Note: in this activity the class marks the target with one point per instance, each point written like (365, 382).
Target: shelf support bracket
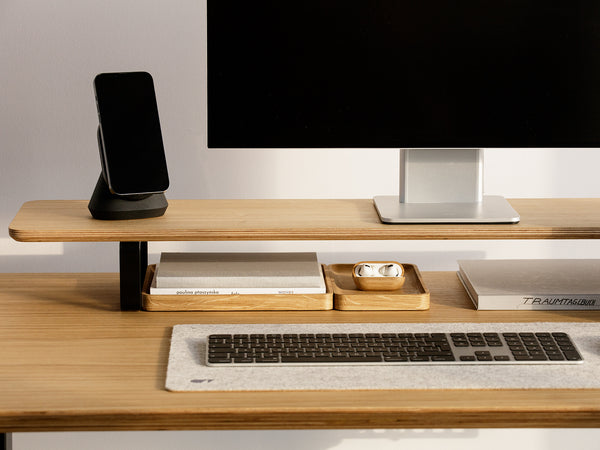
(133, 263)
(5, 441)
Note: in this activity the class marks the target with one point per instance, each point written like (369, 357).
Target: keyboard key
(572, 356)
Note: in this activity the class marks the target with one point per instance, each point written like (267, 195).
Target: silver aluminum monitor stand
(443, 186)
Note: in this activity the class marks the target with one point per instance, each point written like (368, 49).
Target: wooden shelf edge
(316, 219)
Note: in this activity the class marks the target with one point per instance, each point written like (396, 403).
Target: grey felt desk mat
(187, 371)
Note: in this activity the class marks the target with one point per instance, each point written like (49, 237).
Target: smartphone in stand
(132, 146)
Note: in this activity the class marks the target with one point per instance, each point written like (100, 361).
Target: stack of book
(238, 273)
(532, 283)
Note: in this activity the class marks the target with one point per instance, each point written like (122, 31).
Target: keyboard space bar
(329, 359)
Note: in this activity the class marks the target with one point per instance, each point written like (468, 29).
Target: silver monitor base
(492, 209)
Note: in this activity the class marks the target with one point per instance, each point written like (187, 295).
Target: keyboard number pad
(518, 347)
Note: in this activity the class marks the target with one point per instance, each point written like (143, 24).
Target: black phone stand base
(105, 205)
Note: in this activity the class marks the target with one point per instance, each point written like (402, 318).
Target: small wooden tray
(247, 302)
(414, 295)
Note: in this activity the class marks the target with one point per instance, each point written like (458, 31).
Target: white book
(234, 291)
(531, 284)
(240, 273)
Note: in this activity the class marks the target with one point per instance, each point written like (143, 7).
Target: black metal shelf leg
(133, 263)
(5, 441)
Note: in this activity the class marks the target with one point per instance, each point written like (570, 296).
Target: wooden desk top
(223, 220)
(71, 360)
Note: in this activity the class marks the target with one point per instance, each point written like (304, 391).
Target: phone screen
(132, 152)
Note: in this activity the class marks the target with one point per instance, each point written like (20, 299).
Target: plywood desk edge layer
(296, 219)
(113, 378)
(444, 409)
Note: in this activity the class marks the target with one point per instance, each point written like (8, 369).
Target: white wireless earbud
(389, 270)
(365, 270)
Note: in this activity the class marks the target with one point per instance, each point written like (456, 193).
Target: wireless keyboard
(391, 348)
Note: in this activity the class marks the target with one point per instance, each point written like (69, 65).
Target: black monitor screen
(403, 73)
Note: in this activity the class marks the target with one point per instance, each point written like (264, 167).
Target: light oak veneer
(257, 220)
(71, 360)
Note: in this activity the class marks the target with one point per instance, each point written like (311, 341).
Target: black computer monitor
(440, 80)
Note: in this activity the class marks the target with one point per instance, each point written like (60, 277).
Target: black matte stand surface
(107, 206)
(133, 264)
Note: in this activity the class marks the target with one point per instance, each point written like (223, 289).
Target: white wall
(49, 54)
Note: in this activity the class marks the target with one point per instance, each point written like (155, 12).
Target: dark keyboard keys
(391, 348)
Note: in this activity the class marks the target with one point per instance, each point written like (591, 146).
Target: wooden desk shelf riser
(260, 220)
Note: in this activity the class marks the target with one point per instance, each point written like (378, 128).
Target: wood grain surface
(71, 360)
(256, 220)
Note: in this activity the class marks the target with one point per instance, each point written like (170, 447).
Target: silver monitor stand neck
(443, 186)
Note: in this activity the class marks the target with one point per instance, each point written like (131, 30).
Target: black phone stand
(105, 205)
